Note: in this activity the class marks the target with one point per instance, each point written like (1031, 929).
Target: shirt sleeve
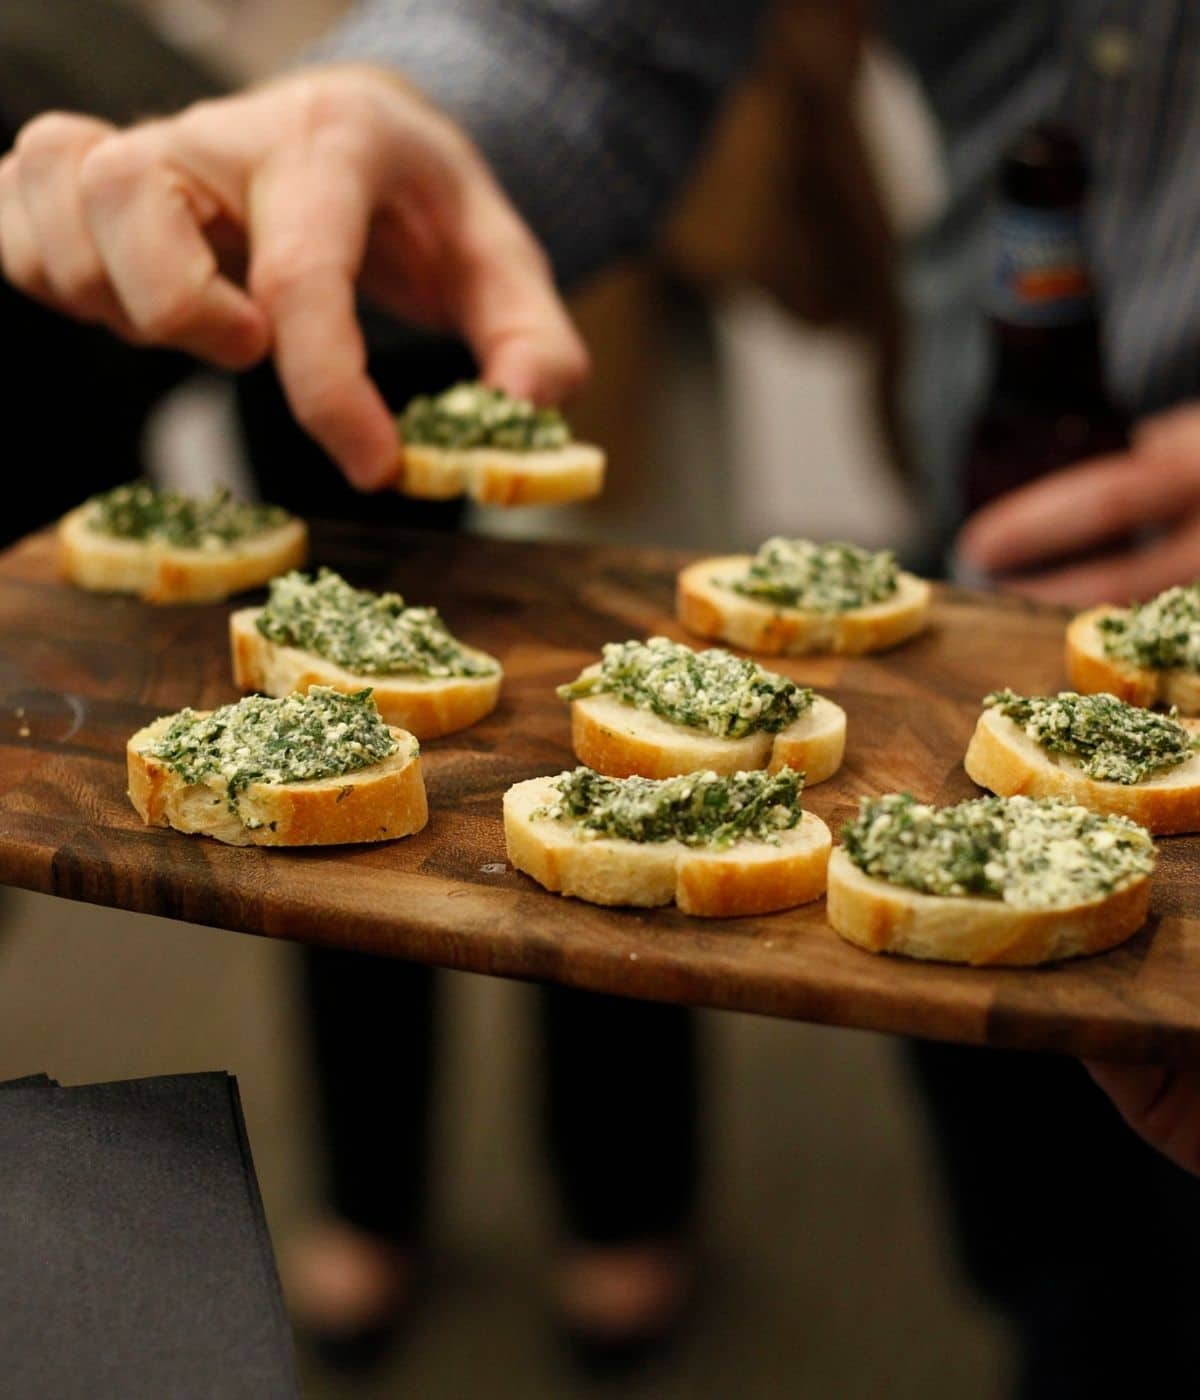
(589, 111)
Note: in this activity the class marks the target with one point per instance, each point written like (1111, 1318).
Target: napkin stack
(134, 1254)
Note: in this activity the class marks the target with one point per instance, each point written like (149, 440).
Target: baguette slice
(1003, 758)
(499, 477)
(426, 706)
(886, 918)
(620, 740)
(749, 877)
(707, 608)
(163, 573)
(377, 803)
(1092, 670)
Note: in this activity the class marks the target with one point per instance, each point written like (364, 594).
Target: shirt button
(1111, 51)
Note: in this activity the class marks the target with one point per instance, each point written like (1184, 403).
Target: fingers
(309, 218)
(1072, 510)
(1118, 578)
(147, 220)
(1160, 1103)
(19, 257)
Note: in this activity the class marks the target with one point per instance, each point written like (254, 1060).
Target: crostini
(320, 769)
(993, 880)
(167, 547)
(1096, 750)
(501, 451)
(323, 631)
(658, 708)
(717, 846)
(1148, 654)
(795, 597)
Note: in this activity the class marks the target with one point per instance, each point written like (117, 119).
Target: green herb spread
(829, 578)
(139, 511)
(1163, 634)
(712, 690)
(472, 415)
(371, 633)
(1031, 853)
(698, 809)
(323, 734)
(1113, 742)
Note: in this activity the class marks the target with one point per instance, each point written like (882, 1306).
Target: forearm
(589, 111)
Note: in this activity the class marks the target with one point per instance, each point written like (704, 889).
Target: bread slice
(886, 918)
(1092, 670)
(377, 803)
(1003, 758)
(427, 706)
(749, 877)
(708, 608)
(501, 477)
(163, 573)
(620, 740)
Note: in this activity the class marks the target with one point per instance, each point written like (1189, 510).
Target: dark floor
(825, 1271)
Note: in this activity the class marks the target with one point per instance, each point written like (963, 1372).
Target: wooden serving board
(79, 673)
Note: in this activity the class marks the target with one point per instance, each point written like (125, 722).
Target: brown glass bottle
(1047, 405)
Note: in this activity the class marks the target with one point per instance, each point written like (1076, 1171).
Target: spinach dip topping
(1163, 634)
(1113, 742)
(713, 690)
(139, 511)
(698, 809)
(472, 415)
(323, 734)
(829, 578)
(371, 633)
(1031, 853)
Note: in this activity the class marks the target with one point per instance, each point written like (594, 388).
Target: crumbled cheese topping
(829, 578)
(1112, 741)
(299, 738)
(371, 633)
(713, 690)
(1163, 634)
(698, 809)
(1031, 853)
(472, 415)
(139, 511)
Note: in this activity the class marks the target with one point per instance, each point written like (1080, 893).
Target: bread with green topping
(169, 548)
(1092, 666)
(503, 451)
(795, 597)
(710, 876)
(1007, 758)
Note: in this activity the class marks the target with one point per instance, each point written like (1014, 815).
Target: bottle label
(1039, 271)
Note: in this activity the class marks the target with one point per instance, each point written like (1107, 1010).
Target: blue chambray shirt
(591, 112)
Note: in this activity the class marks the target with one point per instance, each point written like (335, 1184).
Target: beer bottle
(1047, 406)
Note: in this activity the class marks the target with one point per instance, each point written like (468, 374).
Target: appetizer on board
(659, 708)
(795, 597)
(992, 880)
(501, 451)
(1096, 750)
(322, 631)
(168, 547)
(1147, 654)
(320, 769)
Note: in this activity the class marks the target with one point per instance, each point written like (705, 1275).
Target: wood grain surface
(79, 673)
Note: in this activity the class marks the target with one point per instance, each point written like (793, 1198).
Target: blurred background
(757, 344)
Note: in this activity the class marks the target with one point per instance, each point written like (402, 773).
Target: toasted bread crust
(378, 803)
(751, 877)
(426, 707)
(1092, 670)
(496, 477)
(886, 918)
(621, 740)
(1004, 759)
(707, 609)
(160, 573)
